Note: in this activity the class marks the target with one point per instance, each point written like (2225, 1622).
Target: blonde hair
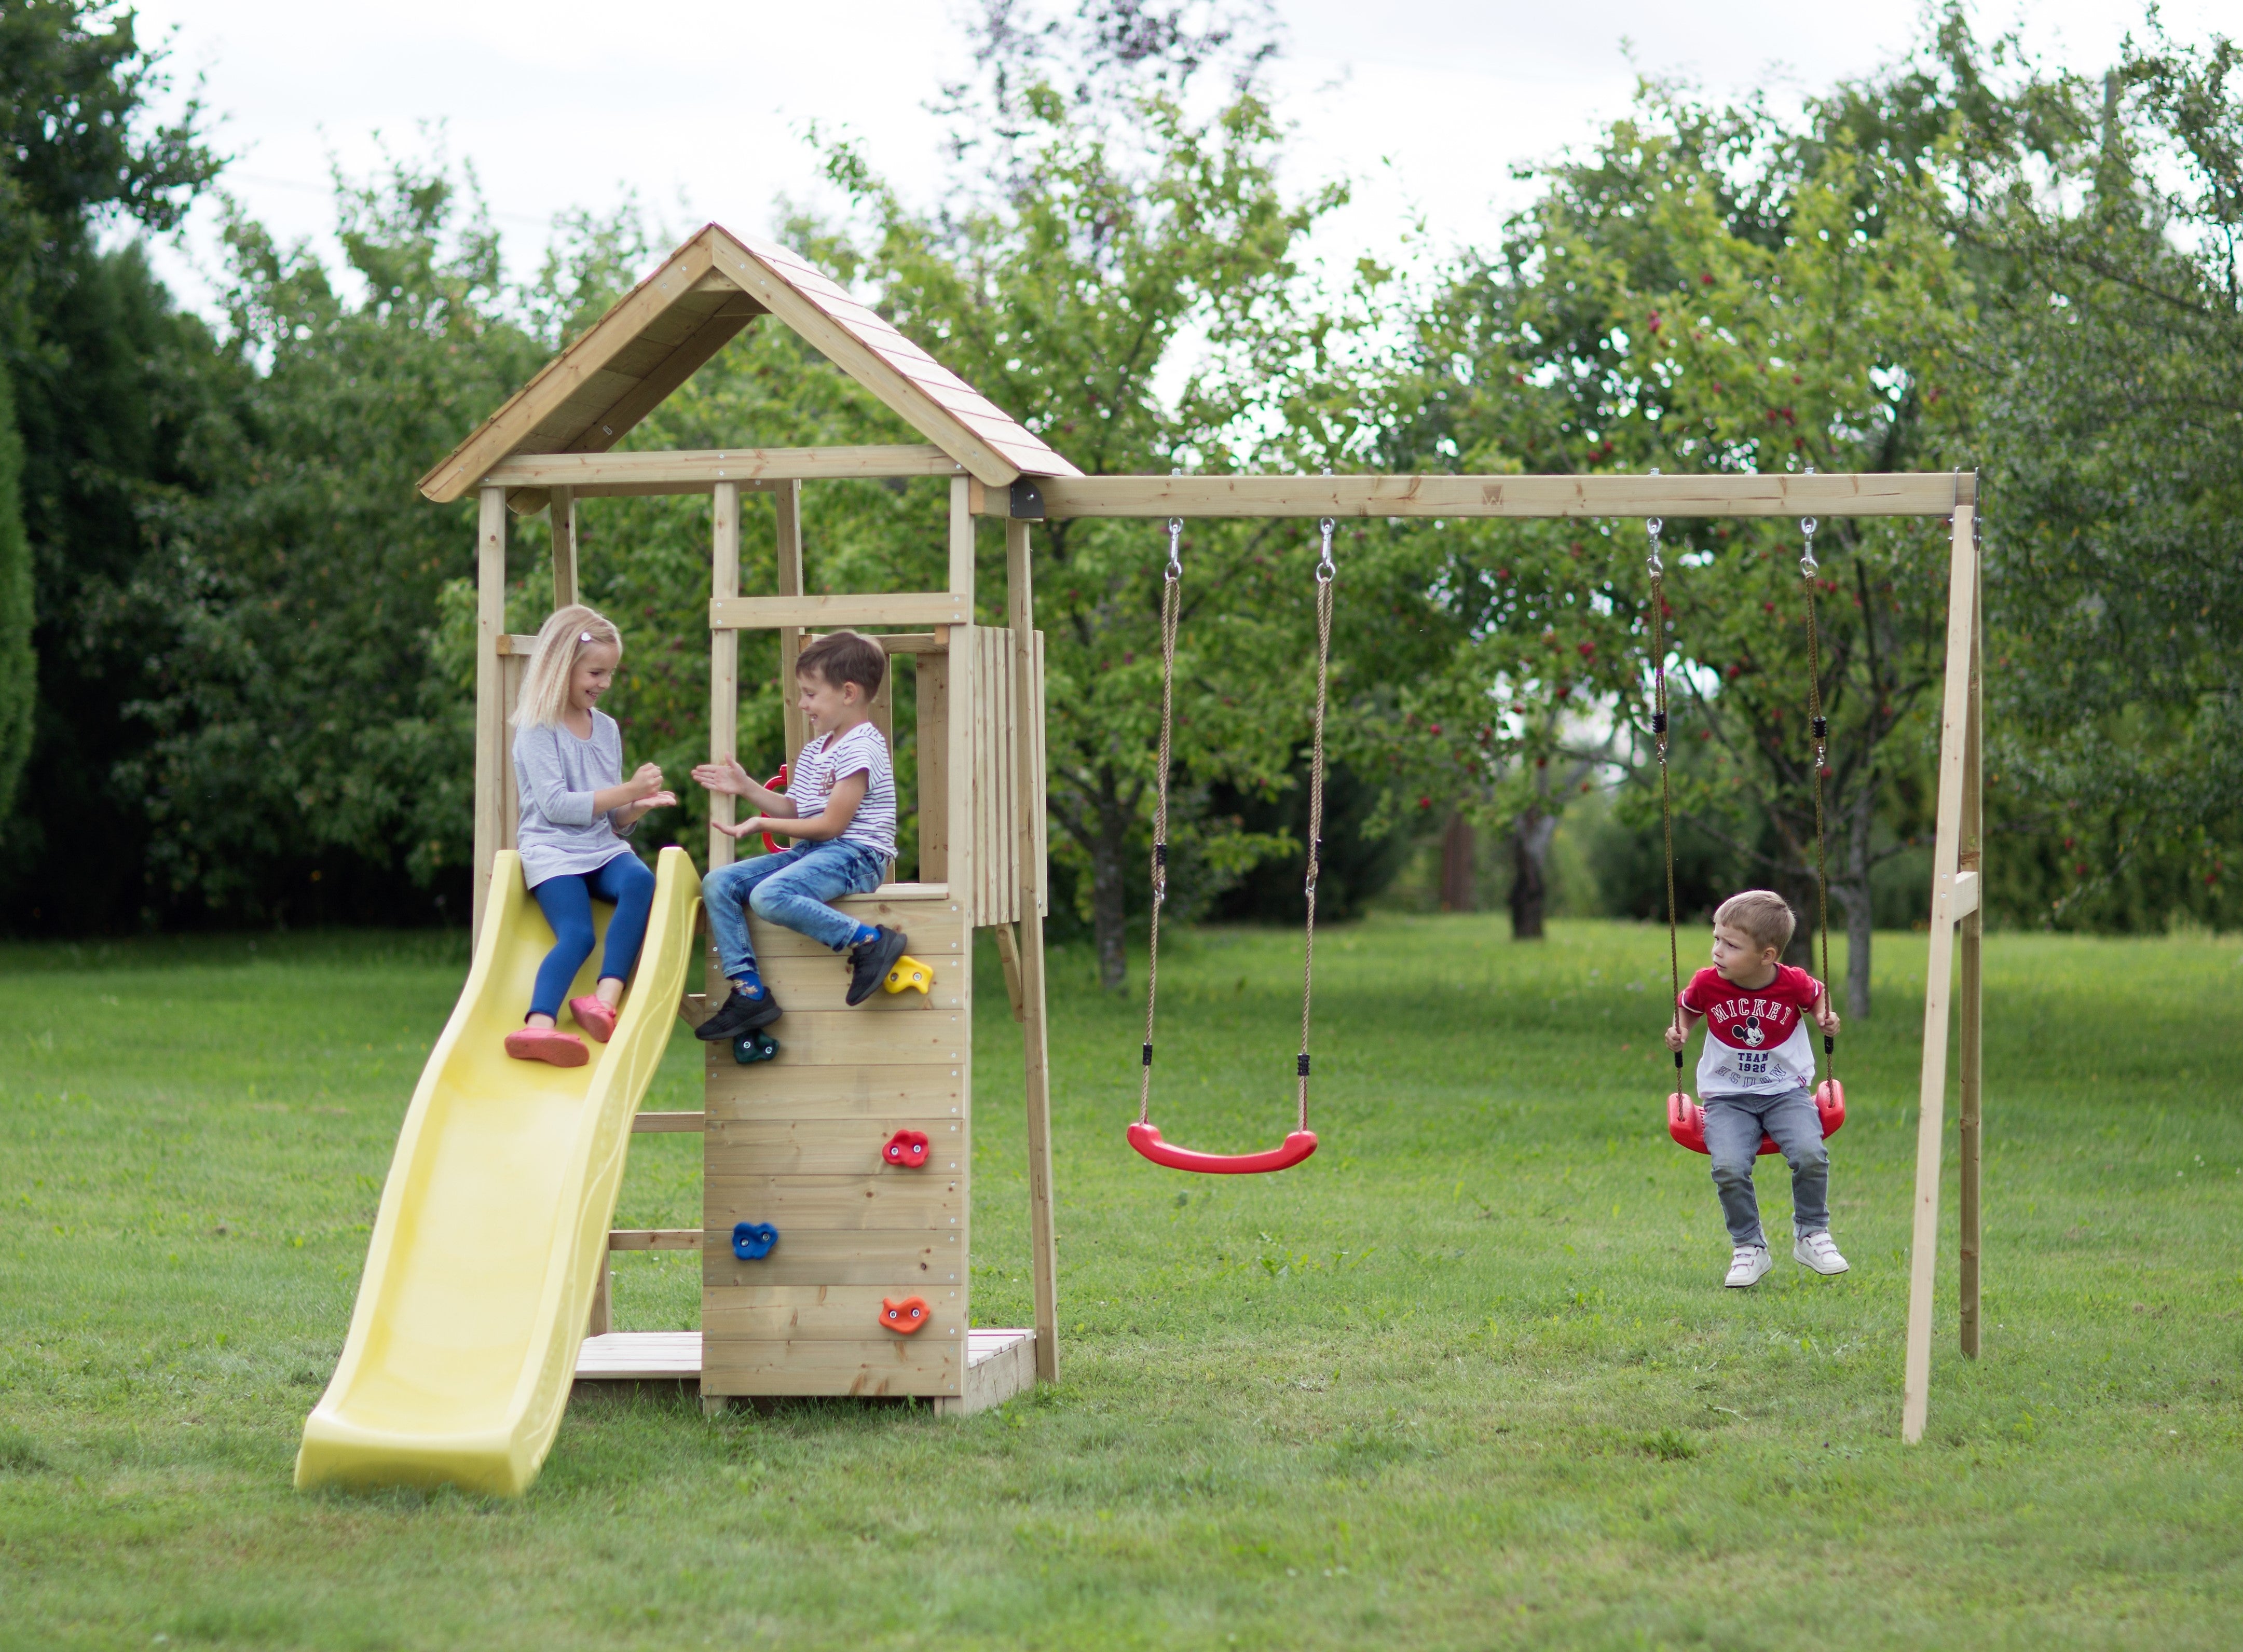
(561, 643)
(1762, 915)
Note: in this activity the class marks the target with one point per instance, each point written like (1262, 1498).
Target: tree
(102, 381)
(2115, 349)
(1707, 289)
(1105, 231)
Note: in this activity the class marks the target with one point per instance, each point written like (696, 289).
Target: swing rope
(1657, 566)
(1821, 726)
(1143, 1135)
(1325, 570)
(1171, 580)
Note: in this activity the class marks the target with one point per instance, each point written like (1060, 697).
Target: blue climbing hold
(751, 1047)
(751, 1241)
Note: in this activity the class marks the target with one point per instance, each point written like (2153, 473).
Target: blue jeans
(566, 900)
(790, 888)
(1733, 1127)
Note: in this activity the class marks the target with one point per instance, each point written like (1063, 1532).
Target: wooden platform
(998, 1364)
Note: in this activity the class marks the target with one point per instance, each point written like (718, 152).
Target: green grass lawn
(1467, 1378)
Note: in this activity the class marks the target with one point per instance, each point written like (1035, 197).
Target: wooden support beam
(668, 1124)
(1867, 494)
(1036, 1033)
(561, 511)
(490, 690)
(1969, 982)
(697, 470)
(1939, 978)
(724, 666)
(786, 511)
(603, 1317)
(962, 546)
(1008, 954)
(836, 613)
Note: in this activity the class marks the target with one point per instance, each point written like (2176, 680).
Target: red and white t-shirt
(830, 759)
(1757, 1042)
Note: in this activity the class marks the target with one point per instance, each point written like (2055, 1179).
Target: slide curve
(493, 1228)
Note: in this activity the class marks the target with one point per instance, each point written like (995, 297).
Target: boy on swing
(839, 808)
(1757, 1075)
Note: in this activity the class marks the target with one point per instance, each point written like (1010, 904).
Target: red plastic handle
(1146, 1138)
(777, 782)
(1686, 1120)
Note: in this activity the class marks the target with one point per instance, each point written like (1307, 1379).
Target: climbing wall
(797, 1142)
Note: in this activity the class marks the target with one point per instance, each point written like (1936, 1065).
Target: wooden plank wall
(797, 1142)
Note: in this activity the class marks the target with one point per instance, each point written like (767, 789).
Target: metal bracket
(1027, 501)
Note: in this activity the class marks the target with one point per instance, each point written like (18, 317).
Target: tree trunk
(1109, 907)
(1530, 854)
(1457, 865)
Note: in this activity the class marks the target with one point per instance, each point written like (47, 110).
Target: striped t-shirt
(832, 758)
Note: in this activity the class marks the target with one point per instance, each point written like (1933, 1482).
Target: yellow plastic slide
(494, 1224)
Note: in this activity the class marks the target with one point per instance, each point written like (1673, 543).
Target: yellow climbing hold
(908, 972)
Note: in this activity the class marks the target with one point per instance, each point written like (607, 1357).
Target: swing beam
(1953, 985)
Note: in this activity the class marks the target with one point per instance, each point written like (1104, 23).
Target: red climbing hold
(904, 1317)
(906, 1148)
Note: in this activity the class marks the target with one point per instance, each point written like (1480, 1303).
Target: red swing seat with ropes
(1144, 1135)
(1686, 1120)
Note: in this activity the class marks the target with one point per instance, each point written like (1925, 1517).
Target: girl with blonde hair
(576, 810)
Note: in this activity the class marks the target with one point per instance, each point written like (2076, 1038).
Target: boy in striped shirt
(839, 808)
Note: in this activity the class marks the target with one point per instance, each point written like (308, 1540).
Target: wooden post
(561, 511)
(786, 511)
(961, 540)
(490, 691)
(1954, 717)
(724, 666)
(602, 1318)
(1035, 1037)
(1969, 974)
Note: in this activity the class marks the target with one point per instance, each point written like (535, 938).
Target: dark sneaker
(738, 1014)
(870, 961)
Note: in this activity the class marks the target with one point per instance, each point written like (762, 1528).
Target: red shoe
(594, 1015)
(548, 1043)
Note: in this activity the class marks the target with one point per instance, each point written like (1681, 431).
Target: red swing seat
(1296, 1146)
(1686, 1120)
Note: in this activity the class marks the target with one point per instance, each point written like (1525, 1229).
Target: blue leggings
(567, 902)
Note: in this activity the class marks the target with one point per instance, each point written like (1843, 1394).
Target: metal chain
(1326, 571)
(1171, 583)
(1657, 567)
(1820, 726)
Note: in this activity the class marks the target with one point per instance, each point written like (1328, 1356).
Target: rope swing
(1144, 1136)
(1686, 1120)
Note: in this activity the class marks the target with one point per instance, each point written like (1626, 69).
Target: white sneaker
(1749, 1265)
(1817, 1251)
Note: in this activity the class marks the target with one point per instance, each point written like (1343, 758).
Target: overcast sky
(698, 106)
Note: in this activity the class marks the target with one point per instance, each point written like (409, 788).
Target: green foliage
(1113, 232)
(18, 665)
(302, 730)
(97, 392)
(1467, 1377)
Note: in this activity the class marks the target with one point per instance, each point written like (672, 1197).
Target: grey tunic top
(554, 775)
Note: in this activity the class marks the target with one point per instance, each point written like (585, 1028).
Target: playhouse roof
(652, 339)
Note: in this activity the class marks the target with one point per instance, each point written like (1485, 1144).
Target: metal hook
(1807, 526)
(1325, 568)
(1654, 527)
(1176, 546)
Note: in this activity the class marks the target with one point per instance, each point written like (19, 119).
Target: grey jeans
(1734, 1126)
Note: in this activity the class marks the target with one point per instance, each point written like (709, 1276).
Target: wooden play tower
(797, 1142)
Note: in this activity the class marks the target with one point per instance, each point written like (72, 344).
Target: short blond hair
(1762, 915)
(561, 643)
